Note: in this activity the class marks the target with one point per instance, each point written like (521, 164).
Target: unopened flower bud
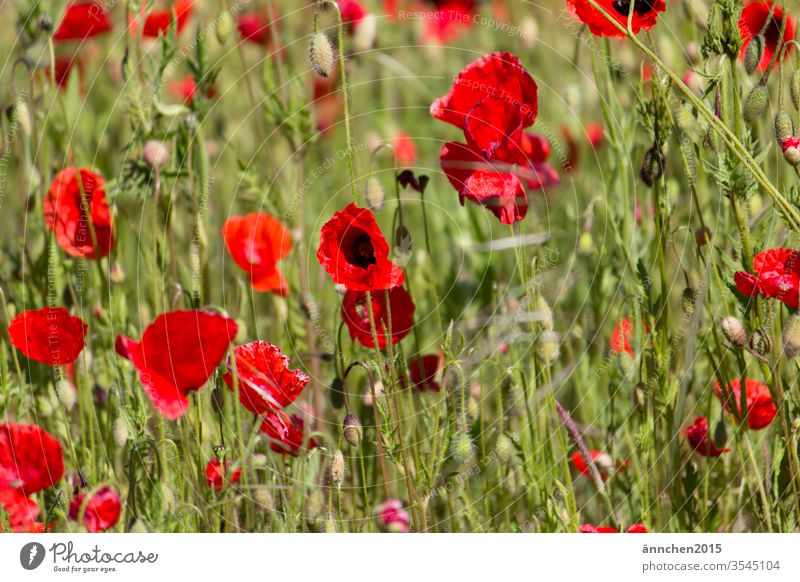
(320, 54)
(791, 337)
(640, 397)
(351, 429)
(720, 434)
(66, 394)
(791, 150)
(760, 342)
(702, 236)
(548, 347)
(330, 524)
(784, 126)
(753, 53)
(504, 448)
(156, 154)
(733, 330)
(224, 26)
(756, 103)
(652, 166)
(461, 448)
(365, 34)
(337, 467)
(120, 432)
(374, 193)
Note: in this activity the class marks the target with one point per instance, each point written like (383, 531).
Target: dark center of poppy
(640, 7)
(358, 250)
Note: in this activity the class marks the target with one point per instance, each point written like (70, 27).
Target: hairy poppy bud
(585, 243)
(720, 434)
(120, 429)
(626, 363)
(640, 397)
(461, 448)
(702, 236)
(733, 330)
(756, 103)
(711, 140)
(503, 448)
(688, 301)
(66, 394)
(784, 126)
(365, 34)
(156, 154)
(760, 342)
(543, 310)
(548, 347)
(320, 54)
(794, 89)
(753, 53)
(791, 337)
(337, 393)
(224, 26)
(314, 504)
(351, 429)
(791, 150)
(337, 467)
(264, 499)
(652, 166)
(374, 193)
(330, 524)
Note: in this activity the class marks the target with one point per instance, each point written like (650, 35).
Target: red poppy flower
(601, 460)
(698, 439)
(777, 276)
(476, 179)
(216, 474)
(63, 68)
(256, 242)
(177, 354)
(645, 14)
(352, 13)
(82, 20)
(286, 433)
(404, 149)
(753, 21)
(65, 213)
(492, 100)
(449, 21)
(589, 528)
(328, 104)
(423, 371)
(101, 511)
(265, 380)
(186, 89)
(157, 22)
(49, 335)
(760, 407)
(31, 460)
(355, 253)
(621, 337)
(355, 314)
(20, 510)
(255, 27)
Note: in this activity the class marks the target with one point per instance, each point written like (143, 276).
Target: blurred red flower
(265, 380)
(72, 192)
(216, 475)
(31, 460)
(157, 22)
(645, 14)
(589, 528)
(423, 371)
(392, 518)
(777, 276)
(255, 27)
(697, 437)
(82, 20)
(601, 460)
(760, 407)
(404, 148)
(256, 242)
(177, 354)
(49, 335)
(355, 314)
(354, 252)
(449, 21)
(102, 510)
(186, 89)
(621, 337)
(352, 13)
(285, 432)
(753, 21)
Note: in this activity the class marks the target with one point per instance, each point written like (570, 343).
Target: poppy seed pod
(652, 166)
(224, 26)
(760, 342)
(337, 467)
(320, 54)
(702, 236)
(791, 337)
(351, 429)
(756, 103)
(155, 154)
(753, 53)
(461, 448)
(784, 126)
(733, 330)
(503, 448)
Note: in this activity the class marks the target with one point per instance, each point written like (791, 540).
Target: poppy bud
(264, 499)
(337, 467)
(791, 337)
(692, 51)
(753, 53)
(224, 26)
(351, 429)
(733, 330)
(784, 126)
(639, 397)
(320, 54)
(548, 347)
(688, 301)
(461, 448)
(120, 432)
(473, 409)
(626, 363)
(756, 103)
(791, 150)
(330, 524)
(218, 399)
(66, 394)
(652, 166)
(503, 448)
(702, 236)
(366, 32)
(794, 88)
(720, 434)
(585, 243)
(374, 193)
(543, 309)
(711, 140)
(156, 154)
(117, 274)
(760, 342)
(314, 504)
(337, 393)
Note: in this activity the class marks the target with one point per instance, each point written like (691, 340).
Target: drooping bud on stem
(753, 53)
(756, 103)
(760, 343)
(351, 429)
(733, 330)
(337, 467)
(320, 54)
